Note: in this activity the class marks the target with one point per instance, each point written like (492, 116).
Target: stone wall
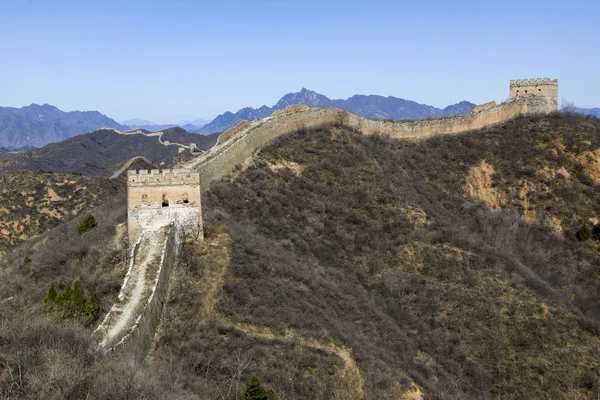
(231, 132)
(137, 342)
(156, 198)
(484, 107)
(223, 157)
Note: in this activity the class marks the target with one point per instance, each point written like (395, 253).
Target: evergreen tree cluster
(256, 391)
(88, 223)
(71, 303)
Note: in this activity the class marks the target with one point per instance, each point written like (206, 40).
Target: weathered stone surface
(544, 87)
(484, 107)
(156, 198)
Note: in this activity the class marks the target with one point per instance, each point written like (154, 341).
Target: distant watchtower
(156, 198)
(541, 87)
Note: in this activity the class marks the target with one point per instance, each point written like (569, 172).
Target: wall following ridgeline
(171, 199)
(248, 137)
(138, 340)
(484, 107)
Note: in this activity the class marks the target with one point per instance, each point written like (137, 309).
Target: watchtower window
(185, 198)
(144, 198)
(165, 201)
(526, 92)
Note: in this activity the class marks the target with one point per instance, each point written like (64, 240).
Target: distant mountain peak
(35, 125)
(370, 106)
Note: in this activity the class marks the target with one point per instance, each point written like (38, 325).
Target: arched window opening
(165, 201)
(185, 198)
(145, 198)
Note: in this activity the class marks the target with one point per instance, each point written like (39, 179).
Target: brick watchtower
(157, 197)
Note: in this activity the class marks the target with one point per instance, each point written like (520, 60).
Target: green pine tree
(92, 307)
(77, 297)
(51, 297)
(65, 295)
(255, 391)
(77, 301)
(88, 223)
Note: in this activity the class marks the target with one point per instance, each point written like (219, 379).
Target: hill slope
(35, 125)
(376, 107)
(93, 153)
(347, 266)
(33, 203)
(339, 241)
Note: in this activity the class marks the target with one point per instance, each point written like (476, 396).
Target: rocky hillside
(95, 152)
(376, 107)
(345, 266)
(372, 268)
(32, 203)
(35, 125)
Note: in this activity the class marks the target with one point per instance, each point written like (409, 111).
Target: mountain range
(589, 111)
(35, 125)
(93, 153)
(376, 107)
(190, 126)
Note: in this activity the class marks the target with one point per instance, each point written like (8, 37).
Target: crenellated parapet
(533, 82)
(158, 197)
(484, 107)
(156, 177)
(541, 87)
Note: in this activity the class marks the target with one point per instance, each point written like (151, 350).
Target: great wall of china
(137, 131)
(535, 96)
(162, 204)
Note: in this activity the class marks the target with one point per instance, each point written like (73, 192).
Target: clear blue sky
(175, 60)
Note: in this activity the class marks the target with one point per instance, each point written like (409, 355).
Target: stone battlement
(161, 197)
(484, 107)
(146, 177)
(533, 82)
(541, 87)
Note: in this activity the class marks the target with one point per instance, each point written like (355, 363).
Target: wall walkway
(240, 142)
(131, 323)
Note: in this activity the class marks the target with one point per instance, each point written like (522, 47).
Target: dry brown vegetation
(31, 203)
(375, 247)
(345, 266)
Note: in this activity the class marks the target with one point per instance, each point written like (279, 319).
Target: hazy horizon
(169, 63)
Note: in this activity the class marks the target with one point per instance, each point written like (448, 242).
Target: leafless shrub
(341, 118)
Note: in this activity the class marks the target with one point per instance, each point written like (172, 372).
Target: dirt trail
(350, 373)
(212, 282)
(136, 289)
